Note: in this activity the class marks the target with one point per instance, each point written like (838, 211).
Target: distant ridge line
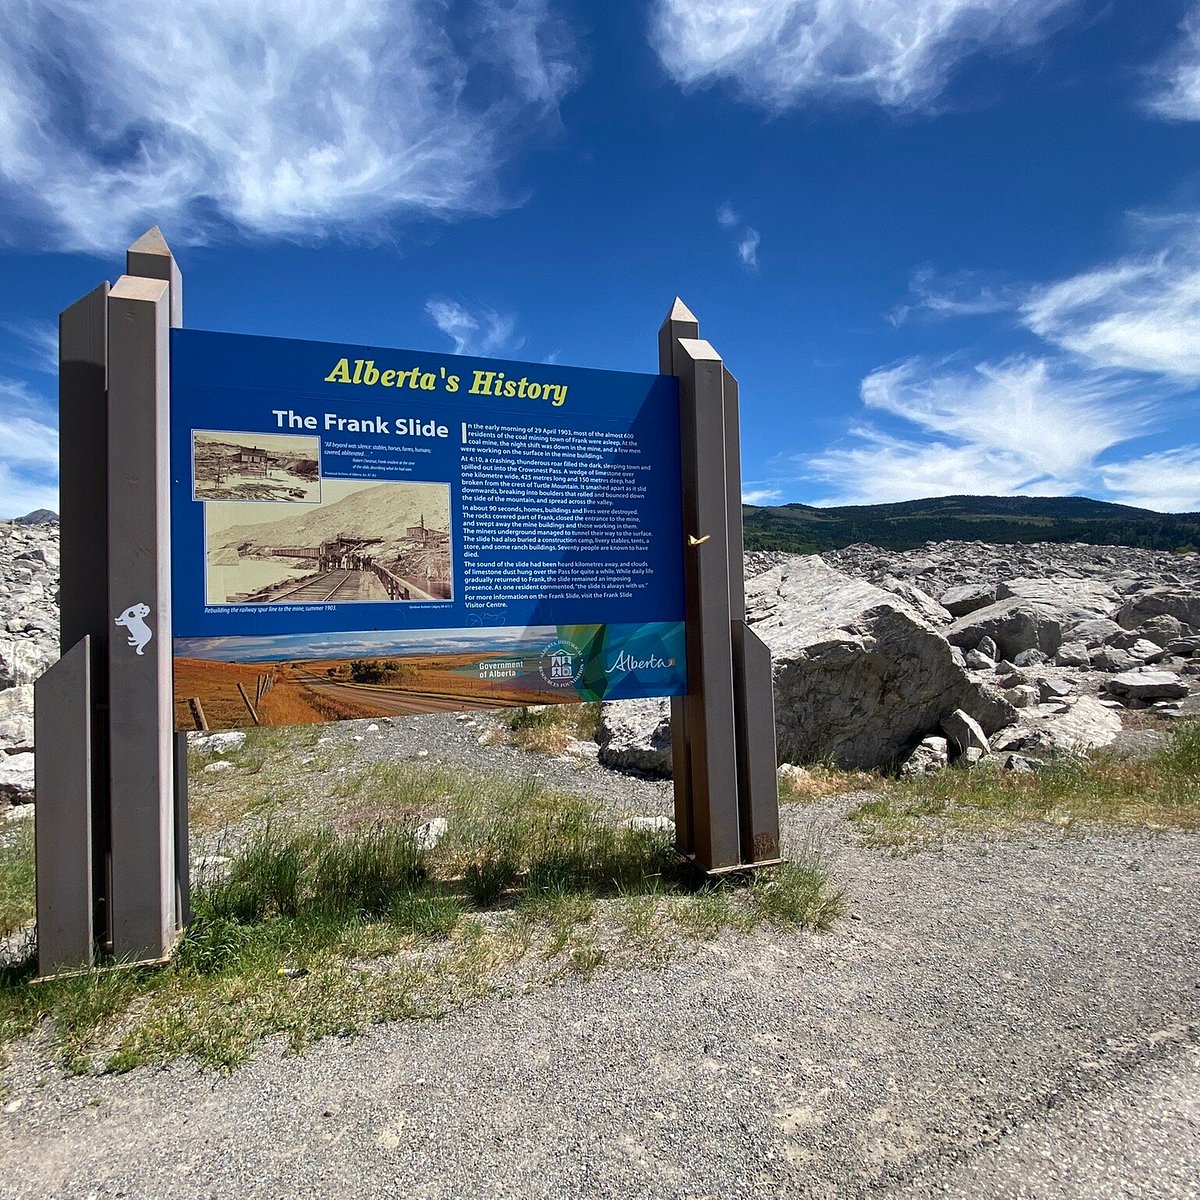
(999, 520)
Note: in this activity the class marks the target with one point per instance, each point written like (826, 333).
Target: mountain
(803, 529)
(39, 516)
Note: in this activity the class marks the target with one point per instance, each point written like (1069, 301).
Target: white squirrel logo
(139, 632)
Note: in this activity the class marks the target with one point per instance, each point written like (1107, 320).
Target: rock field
(922, 658)
(28, 642)
(894, 657)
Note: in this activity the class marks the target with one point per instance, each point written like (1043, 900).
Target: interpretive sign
(359, 531)
(261, 531)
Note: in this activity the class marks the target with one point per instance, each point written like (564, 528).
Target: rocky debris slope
(954, 651)
(28, 640)
(860, 674)
(960, 650)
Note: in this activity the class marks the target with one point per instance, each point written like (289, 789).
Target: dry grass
(1159, 792)
(550, 729)
(803, 785)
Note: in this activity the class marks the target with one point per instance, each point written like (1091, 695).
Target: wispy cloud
(1168, 481)
(1141, 313)
(1024, 425)
(746, 238)
(481, 332)
(279, 117)
(898, 53)
(28, 451)
(761, 495)
(1176, 94)
(40, 341)
(958, 294)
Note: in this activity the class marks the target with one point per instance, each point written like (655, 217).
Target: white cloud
(746, 238)
(482, 332)
(282, 117)
(761, 495)
(961, 294)
(1177, 94)
(41, 346)
(28, 452)
(747, 248)
(1141, 313)
(899, 53)
(1019, 426)
(1168, 481)
(727, 216)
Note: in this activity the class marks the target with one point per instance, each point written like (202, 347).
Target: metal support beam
(680, 323)
(723, 730)
(142, 750)
(63, 829)
(150, 257)
(83, 571)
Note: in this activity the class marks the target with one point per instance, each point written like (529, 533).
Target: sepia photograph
(366, 541)
(260, 467)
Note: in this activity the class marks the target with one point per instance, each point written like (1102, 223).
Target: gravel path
(1015, 1018)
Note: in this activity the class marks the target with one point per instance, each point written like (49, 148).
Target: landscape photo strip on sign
(365, 532)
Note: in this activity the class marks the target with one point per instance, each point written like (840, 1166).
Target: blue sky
(945, 245)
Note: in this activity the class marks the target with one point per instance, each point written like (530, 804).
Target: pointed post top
(151, 242)
(150, 257)
(680, 323)
(680, 312)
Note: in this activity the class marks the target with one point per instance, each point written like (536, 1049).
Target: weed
(803, 785)
(549, 728)
(16, 876)
(1157, 792)
(797, 895)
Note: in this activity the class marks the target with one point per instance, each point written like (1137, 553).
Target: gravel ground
(1009, 1018)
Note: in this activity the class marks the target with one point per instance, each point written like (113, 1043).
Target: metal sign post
(723, 730)
(111, 775)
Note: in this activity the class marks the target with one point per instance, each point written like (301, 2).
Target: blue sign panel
(359, 531)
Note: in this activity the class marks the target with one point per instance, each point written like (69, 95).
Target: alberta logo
(626, 662)
(562, 664)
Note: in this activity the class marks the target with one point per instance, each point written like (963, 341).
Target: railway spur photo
(366, 541)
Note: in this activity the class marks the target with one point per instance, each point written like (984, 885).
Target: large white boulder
(635, 735)
(860, 676)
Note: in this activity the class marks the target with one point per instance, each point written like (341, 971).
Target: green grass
(1161, 791)
(549, 728)
(315, 931)
(16, 876)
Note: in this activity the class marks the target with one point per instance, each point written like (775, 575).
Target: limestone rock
(16, 718)
(964, 732)
(1014, 625)
(1030, 658)
(1148, 685)
(931, 754)
(1182, 604)
(1072, 654)
(1094, 632)
(1109, 658)
(1050, 690)
(1021, 696)
(959, 601)
(16, 777)
(635, 735)
(859, 674)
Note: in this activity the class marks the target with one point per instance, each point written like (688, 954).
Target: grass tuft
(1161, 791)
(16, 876)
